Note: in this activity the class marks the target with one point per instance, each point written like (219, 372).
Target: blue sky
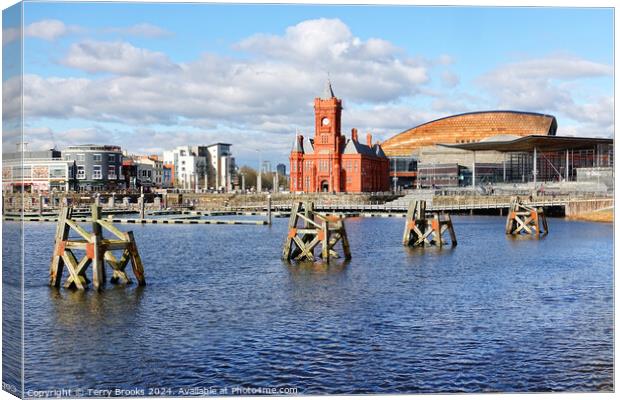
(153, 76)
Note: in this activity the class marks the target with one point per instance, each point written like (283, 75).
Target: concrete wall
(585, 206)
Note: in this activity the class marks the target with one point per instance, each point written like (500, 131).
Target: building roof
(378, 151)
(304, 145)
(297, 145)
(355, 147)
(470, 127)
(219, 144)
(93, 147)
(528, 143)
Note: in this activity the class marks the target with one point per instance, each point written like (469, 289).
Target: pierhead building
(331, 163)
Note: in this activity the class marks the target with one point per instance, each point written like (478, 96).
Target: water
(222, 310)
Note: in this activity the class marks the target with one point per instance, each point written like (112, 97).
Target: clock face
(325, 121)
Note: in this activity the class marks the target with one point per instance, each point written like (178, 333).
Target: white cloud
(142, 30)
(549, 85)
(52, 29)
(371, 70)
(9, 35)
(449, 79)
(282, 78)
(258, 100)
(49, 29)
(115, 57)
(445, 59)
(535, 83)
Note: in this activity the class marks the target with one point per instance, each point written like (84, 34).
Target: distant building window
(96, 171)
(307, 183)
(81, 173)
(57, 172)
(96, 157)
(22, 172)
(80, 157)
(111, 172)
(111, 158)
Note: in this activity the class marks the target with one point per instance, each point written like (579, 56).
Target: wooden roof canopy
(528, 143)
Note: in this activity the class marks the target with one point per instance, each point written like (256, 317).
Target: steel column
(473, 172)
(535, 166)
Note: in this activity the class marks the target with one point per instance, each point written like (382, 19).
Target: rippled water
(221, 310)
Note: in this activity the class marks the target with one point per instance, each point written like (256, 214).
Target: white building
(200, 167)
(43, 171)
(189, 166)
(221, 166)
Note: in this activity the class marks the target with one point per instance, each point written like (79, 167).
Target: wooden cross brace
(97, 250)
(526, 220)
(427, 231)
(316, 230)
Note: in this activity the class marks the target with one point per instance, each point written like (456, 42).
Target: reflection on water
(305, 268)
(221, 309)
(74, 309)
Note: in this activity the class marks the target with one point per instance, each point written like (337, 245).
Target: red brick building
(332, 163)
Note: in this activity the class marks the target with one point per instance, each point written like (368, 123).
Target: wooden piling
(525, 219)
(269, 209)
(315, 229)
(62, 234)
(141, 204)
(98, 250)
(422, 229)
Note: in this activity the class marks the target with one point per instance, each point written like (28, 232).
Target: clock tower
(327, 139)
(330, 162)
(327, 112)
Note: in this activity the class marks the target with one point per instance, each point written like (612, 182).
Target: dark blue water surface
(222, 310)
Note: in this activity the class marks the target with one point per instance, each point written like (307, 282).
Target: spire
(328, 93)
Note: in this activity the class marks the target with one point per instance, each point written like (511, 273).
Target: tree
(250, 176)
(266, 179)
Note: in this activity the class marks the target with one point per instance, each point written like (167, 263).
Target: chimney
(369, 139)
(354, 134)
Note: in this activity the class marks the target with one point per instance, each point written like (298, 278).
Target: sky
(153, 76)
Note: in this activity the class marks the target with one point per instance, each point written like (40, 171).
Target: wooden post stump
(525, 219)
(141, 205)
(98, 250)
(316, 229)
(423, 229)
(269, 209)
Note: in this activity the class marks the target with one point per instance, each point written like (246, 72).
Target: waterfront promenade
(566, 204)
